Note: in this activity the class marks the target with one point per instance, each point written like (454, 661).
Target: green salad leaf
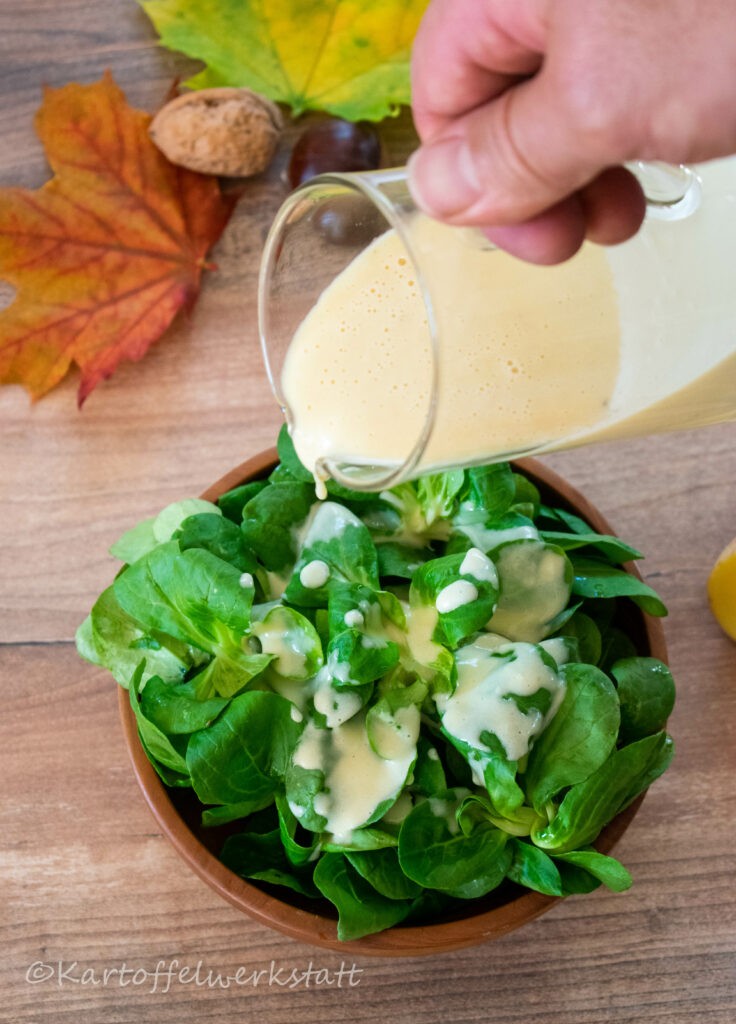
(646, 691)
(437, 854)
(463, 589)
(597, 578)
(591, 804)
(534, 869)
(336, 548)
(241, 757)
(397, 702)
(216, 534)
(270, 520)
(261, 856)
(160, 747)
(151, 532)
(180, 708)
(113, 639)
(579, 738)
(361, 908)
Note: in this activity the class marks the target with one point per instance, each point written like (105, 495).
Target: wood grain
(87, 878)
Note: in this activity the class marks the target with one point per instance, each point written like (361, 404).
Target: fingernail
(442, 178)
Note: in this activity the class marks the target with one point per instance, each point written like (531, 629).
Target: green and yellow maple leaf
(347, 57)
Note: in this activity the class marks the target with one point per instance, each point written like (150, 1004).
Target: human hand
(527, 109)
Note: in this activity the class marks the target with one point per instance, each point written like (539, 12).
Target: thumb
(504, 162)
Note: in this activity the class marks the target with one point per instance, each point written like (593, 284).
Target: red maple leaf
(106, 253)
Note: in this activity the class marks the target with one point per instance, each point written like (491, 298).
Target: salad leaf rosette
(397, 702)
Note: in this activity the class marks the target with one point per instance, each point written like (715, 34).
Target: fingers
(608, 211)
(551, 237)
(505, 161)
(527, 109)
(613, 206)
(463, 56)
(515, 145)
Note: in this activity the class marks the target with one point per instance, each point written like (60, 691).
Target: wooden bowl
(177, 811)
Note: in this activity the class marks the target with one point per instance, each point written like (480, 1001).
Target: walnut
(229, 132)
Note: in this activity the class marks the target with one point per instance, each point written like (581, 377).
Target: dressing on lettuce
(401, 700)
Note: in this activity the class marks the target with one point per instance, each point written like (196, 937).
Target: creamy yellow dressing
(337, 706)
(391, 735)
(626, 340)
(487, 672)
(353, 618)
(398, 811)
(297, 691)
(275, 583)
(535, 588)
(280, 636)
(314, 574)
(326, 521)
(478, 565)
(289, 648)
(455, 595)
(345, 755)
(487, 538)
(421, 622)
(557, 649)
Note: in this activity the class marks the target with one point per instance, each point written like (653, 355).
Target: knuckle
(603, 119)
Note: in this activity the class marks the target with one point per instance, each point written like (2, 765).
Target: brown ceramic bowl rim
(314, 928)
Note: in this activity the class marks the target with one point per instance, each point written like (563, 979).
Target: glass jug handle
(672, 191)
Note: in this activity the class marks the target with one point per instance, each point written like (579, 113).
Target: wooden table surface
(93, 898)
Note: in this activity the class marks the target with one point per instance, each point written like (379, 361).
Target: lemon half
(722, 590)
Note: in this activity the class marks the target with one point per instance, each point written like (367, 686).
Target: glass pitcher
(398, 346)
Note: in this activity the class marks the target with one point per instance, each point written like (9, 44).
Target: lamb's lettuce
(401, 561)
(361, 622)
(536, 580)
(382, 869)
(430, 777)
(151, 532)
(164, 749)
(437, 854)
(335, 538)
(291, 640)
(271, 520)
(312, 673)
(591, 804)
(245, 753)
(219, 536)
(232, 503)
(597, 578)
(458, 617)
(261, 856)
(111, 638)
(181, 708)
(361, 908)
(437, 494)
(195, 597)
(579, 738)
(491, 489)
(646, 691)
(355, 657)
(410, 516)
